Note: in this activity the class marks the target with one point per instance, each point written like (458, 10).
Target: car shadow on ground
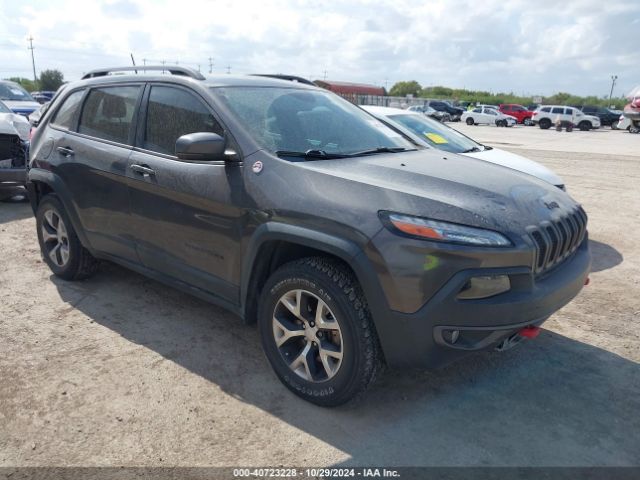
(603, 256)
(550, 401)
(16, 208)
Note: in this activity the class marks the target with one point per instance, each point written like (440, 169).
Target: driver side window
(171, 113)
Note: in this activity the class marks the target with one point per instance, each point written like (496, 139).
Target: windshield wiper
(373, 151)
(310, 154)
(472, 149)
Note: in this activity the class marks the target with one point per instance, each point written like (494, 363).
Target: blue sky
(538, 47)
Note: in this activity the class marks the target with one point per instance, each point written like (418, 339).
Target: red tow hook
(587, 281)
(529, 332)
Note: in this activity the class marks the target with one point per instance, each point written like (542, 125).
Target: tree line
(412, 87)
(49, 80)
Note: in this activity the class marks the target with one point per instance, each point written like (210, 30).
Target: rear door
(186, 217)
(93, 149)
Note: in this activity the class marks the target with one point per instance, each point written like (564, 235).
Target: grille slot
(555, 242)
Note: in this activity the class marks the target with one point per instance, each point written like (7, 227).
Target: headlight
(442, 231)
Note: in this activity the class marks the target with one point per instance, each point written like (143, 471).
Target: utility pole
(144, 62)
(228, 69)
(613, 84)
(33, 61)
(325, 75)
(210, 65)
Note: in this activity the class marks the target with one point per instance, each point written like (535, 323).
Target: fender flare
(56, 184)
(346, 250)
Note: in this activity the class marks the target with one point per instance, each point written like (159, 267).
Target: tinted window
(568, 111)
(67, 112)
(557, 110)
(545, 109)
(436, 134)
(477, 110)
(14, 92)
(108, 113)
(172, 113)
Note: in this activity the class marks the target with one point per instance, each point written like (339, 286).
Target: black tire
(545, 124)
(80, 263)
(469, 121)
(584, 126)
(336, 286)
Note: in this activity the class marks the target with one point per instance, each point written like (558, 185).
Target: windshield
(437, 134)
(296, 120)
(14, 92)
(4, 108)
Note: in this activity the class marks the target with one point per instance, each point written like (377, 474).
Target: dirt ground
(122, 370)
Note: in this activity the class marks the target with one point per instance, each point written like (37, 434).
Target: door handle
(142, 169)
(65, 151)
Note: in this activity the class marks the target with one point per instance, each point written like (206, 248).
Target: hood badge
(552, 205)
(257, 167)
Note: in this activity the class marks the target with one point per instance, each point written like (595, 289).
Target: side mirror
(201, 146)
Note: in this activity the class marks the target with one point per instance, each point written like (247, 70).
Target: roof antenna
(134, 63)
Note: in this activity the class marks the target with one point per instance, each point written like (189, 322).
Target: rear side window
(108, 113)
(66, 114)
(171, 113)
(558, 110)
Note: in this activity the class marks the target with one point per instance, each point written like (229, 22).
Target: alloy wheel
(307, 335)
(55, 238)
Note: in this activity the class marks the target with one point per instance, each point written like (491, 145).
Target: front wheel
(317, 332)
(584, 126)
(545, 124)
(470, 121)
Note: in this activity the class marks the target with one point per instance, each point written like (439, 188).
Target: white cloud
(520, 46)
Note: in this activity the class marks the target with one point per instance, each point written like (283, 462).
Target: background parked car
(16, 98)
(43, 97)
(443, 106)
(521, 114)
(548, 115)
(623, 123)
(429, 133)
(488, 115)
(431, 112)
(607, 117)
(14, 136)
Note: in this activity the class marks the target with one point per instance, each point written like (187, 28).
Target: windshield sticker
(15, 91)
(435, 138)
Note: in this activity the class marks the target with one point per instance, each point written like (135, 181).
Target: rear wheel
(470, 121)
(317, 332)
(61, 249)
(545, 123)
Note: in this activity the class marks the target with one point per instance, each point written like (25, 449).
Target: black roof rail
(280, 76)
(173, 69)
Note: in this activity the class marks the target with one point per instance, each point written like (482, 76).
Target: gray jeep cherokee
(350, 247)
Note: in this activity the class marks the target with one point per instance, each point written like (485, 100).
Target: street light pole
(613, 83)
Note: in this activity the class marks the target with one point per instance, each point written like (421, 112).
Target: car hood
(22, 106)
(13, 124)
(437, 185)
(516, 162)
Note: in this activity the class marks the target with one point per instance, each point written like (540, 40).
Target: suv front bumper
(423, 339)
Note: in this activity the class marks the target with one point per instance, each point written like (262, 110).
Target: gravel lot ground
(121, 370)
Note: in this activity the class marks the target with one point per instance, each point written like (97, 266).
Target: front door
(186, 217)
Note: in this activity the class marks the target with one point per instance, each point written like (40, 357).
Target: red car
(521, 113)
